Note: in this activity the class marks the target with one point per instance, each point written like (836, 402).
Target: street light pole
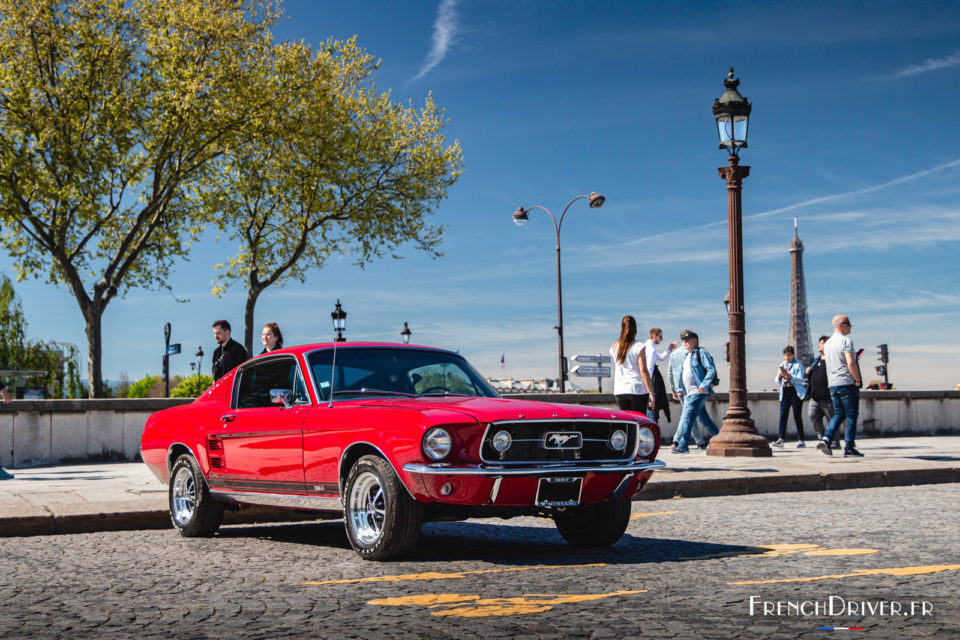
(520, 217)
(738, 434)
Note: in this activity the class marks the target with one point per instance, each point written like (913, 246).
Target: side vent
(214, 444)
(216, 462)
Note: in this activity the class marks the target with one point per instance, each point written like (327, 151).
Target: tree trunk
(93, 313)
(252, 294)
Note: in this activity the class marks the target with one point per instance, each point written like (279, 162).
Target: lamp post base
(739, 437)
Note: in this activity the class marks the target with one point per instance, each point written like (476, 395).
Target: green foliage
(188, 387)
(58, 360)
(142, 387)
(338, 169)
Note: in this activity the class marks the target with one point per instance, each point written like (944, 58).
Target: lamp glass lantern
(405, 333)
(339, 317)
(732, 112)
(520, 217)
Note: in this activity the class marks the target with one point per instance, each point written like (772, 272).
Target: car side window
(258, 379)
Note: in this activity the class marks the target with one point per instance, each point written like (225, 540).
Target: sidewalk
(126, 496)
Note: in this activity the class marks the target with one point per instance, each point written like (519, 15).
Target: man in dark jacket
(821, 405)
(229, 354)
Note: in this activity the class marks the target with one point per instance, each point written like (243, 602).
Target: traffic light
(883, 353)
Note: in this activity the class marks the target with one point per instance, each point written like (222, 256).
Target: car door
(261, 442)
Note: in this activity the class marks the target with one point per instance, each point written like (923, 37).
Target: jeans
(846, 405)
(706, 422)
(693, 408)
(820, 409)
(790, 400)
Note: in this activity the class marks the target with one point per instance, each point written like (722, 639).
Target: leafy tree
(188, 387)
(57, 359)
(111, 113)
(141, 388)
(342, 169)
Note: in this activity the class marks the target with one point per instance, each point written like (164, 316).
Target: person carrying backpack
(696, 381)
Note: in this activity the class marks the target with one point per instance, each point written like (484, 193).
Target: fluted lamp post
(405, 333)
(339, 322)
(738, 434)
(520, 217)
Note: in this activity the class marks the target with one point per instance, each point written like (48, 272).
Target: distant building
(798, 331)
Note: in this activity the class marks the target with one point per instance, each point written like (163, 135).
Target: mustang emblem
(562, 441)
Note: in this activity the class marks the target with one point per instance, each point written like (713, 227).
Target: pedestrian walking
(704, 422)
(818, 393)
(4, 475)
(845, 381)
(697, 376)
(632, 380)
(790, 378)
(271, 337)
(229, 353)
(658, 390)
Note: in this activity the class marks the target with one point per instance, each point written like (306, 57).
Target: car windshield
(394, 372)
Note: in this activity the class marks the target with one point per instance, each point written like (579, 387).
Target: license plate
(559, 492)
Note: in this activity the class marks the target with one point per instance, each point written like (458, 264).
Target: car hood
(493, 409)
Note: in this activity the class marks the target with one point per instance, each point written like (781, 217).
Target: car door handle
(228, 418)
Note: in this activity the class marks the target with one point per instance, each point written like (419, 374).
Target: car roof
(307, 348)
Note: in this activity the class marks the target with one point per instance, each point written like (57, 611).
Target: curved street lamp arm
(562, 215)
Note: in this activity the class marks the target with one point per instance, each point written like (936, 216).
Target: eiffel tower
(798, 332)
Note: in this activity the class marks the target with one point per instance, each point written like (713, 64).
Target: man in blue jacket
(697, 376)
(677, 358)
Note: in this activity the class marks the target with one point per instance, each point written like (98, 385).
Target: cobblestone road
(686, 568)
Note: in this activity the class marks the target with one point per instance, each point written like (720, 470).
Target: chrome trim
(254, 434)
(562, 446)
(495, 490)
(636, 424)
(280, 500)
(539, 470)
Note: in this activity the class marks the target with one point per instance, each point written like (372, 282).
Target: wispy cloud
(930, 64)
(444, 30)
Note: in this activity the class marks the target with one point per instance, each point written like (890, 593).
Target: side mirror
(281, 396)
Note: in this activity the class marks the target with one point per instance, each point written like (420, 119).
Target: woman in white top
(632, 382)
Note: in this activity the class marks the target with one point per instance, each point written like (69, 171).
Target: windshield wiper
(444, 394)
(375, 392)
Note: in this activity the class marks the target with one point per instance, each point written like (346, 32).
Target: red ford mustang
(394, 435)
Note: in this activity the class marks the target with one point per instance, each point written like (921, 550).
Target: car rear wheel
(594, 525)
(194, 512)
(382, 520)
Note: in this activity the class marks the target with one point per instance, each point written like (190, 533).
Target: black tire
(594, 525)
(381, 518)
(193, 511)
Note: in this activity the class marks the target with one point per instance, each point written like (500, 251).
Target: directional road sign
(598, 358)
(173, 349)
(592, 372)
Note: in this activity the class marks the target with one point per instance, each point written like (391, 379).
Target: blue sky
(854, 131)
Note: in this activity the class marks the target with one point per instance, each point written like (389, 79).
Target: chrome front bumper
(445, 469)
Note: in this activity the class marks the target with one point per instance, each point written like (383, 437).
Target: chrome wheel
(367, 508)
(184, 496)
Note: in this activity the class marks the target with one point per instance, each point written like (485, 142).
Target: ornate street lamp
(520, 217)
(199, 355)
(405, 333)
(738, 434)
(339, 322)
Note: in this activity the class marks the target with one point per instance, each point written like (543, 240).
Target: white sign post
(594, 370)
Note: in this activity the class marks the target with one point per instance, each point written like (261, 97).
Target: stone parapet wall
(44, 432)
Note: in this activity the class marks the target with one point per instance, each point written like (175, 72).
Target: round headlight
(618, 440)
(647, 441)
(437, 443)
(501, 441)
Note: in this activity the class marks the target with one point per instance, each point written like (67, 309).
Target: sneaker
(679, 450)
(801, 445)
(852, 453)
(824, 446)
(778, 443)
(4, 475)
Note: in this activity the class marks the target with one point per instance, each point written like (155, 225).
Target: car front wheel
(382, 520)
(194, 512)
(594, 525)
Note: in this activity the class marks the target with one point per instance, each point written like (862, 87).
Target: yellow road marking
(894, 571)
(647, 515)
(840, 552)
(472, 606)
(432, 575)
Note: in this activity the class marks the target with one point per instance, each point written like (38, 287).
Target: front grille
(528, 441)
